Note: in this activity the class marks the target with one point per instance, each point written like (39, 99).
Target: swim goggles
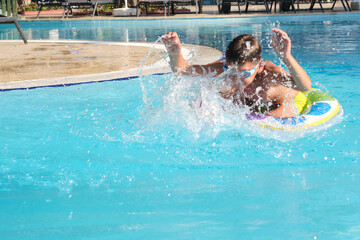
(242, 74)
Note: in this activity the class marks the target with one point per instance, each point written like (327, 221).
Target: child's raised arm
(173, 47)
(282, 47)
(179, 64)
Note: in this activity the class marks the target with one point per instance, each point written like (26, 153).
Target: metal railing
(8, 14)
(9, 8)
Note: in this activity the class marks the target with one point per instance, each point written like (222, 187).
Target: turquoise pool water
(94, 161)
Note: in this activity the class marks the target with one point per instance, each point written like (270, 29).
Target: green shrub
(34, 7)
(106, 8)
(31, 7)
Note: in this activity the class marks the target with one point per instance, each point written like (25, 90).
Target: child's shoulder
(270, 66)
(273, 69)
(275, 76)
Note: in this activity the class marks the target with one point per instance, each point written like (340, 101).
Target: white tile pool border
(161, 66)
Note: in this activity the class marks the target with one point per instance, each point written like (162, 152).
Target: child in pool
(259, 84)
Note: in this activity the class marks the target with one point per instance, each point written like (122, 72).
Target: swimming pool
(96, 161)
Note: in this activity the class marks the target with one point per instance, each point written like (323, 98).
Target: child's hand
(281, 44)
(172, 43)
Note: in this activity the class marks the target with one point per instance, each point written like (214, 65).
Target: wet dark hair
(243, 48)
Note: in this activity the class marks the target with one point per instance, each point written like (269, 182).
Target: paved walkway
(211, 11)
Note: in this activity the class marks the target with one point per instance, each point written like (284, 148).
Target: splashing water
(189, 102)
(194, 104)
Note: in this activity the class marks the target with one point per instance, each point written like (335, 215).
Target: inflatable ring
(320, 108)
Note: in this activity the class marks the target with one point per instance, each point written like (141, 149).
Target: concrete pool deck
(49, 63)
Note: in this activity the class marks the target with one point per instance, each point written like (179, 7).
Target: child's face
(245, 73)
